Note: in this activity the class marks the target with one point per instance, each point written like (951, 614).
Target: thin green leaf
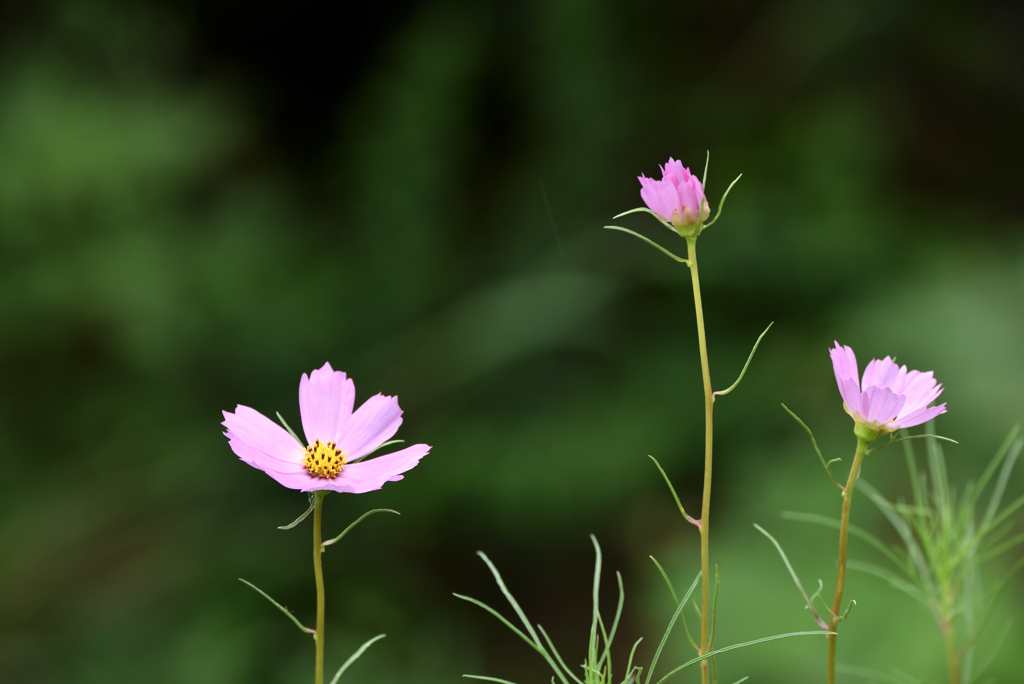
(519, 612)
(996, 645)
(1000, 549)
(361, 518)
(792, 573)
(615, 622)
(707, 160)
(671, 589)
(1003, 515)
(816, 449)
(502, 618)
(289, 429)
(722, 202)
(557, 655)
(674, 495)
(645, 210)
(1000, 486)
(747, 364)
(629, 665)
(355, 656)
(488, 679)
(385, 444)
(652, 243)
(740, 681)
(915, 482)
(671, 623)
(596, 612)
(896, 582)
(312, 505)
(281, 608)
(993, 465)
(712, 654)
(853, 529)
(910, 437)
(714, 609)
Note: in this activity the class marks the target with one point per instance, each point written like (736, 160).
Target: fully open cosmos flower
(888, 397)
(677, 198)
(337, 438)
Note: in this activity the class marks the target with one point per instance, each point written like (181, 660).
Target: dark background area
(200, 201)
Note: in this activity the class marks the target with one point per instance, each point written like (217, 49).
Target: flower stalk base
(844, 526)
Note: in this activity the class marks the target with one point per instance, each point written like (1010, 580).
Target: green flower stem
(844, 525)
(318, 549)
(705, 509)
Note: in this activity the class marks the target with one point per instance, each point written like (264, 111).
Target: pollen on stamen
(324, 459)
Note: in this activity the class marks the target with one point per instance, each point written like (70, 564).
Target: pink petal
(851, 396)
(919, 416)
(261, 442)
(325, 403)
(660, 197)
(674, 169)
(369, 475)
(880, 373)
(881, 405)
(373, 423)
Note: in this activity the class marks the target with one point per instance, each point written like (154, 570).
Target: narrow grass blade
(671, 624)
(518, 632)
(281, 608)
(997, 643)
(361, 518)
(664, 575)
(673, 490)
(896, 582)
(522, 616)
(355, 656)
(312, 505)
(629, 665)
(652, 243)
(704, 180)
(596, 614)
(993, 465)
(289, 429)
(792, 573)
(816, 449)
(747, 364)
(724, 649)
(606, 655)
(488, 679)
(557, 655)
(740, 681)
(1000, 486)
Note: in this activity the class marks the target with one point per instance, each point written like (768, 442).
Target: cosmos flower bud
(678, 198)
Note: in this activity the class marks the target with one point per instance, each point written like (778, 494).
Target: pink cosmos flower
(888, 397)
(678, 197)
(338, 438)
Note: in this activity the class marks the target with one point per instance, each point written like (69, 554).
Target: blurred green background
(199, 201)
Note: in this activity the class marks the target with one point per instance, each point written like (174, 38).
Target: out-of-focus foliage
(199, 201)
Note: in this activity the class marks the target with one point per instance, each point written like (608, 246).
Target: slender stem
(318, 572)
(952, 653)
(844, 524)
(705, 508)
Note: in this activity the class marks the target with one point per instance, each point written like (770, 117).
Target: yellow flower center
(324, 459)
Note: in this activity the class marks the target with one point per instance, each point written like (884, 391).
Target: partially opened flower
(677, 198)
(338, 439)
(888, 397)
